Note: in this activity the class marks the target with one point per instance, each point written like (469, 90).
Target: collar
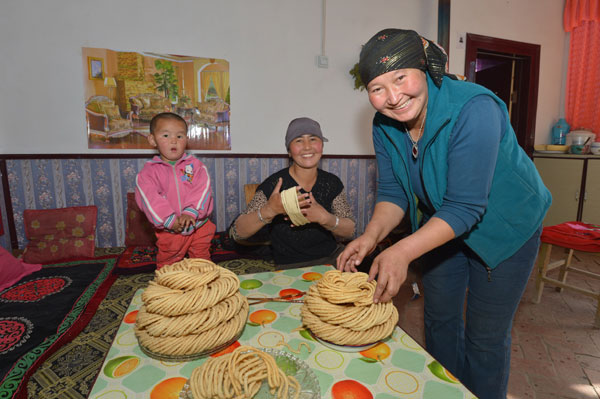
(158, 159)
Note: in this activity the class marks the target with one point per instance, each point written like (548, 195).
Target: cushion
(575, 235)
(158, 102)
(137, 259)
(12, 270)
(145, 101)
(136, 101)
(138, 230)
(119, 124)
(222, 248)
(59, 234)
(112, 111)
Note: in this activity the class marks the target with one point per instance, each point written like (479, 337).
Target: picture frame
(95, 68)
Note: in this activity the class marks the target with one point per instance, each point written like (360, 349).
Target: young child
(173, 190)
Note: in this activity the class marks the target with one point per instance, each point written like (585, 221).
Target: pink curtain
(582, 19)
(578, 11)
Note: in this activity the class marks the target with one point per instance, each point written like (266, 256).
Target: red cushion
(139, 231)
(12, 270)
(59, 234)
(574, 235)
(137, 259)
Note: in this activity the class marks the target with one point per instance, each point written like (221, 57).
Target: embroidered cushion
(138, 230)
(59, 234)
(137, 259)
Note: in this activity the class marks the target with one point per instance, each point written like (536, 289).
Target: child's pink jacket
(163, 191)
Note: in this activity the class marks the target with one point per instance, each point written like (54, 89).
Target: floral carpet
(72, 370)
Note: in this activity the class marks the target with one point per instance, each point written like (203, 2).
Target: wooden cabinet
(574, 182)
(591, 198)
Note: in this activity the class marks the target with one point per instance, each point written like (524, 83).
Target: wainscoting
(57, 181)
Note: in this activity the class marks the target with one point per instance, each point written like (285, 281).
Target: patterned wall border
(56, 181)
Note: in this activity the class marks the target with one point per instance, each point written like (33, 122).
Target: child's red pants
(173, 247)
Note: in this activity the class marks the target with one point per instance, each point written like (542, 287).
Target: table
(396, 368)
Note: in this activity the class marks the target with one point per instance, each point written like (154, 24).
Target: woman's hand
(392, 267)
(274, 206)
(314, 211)
(355, 252)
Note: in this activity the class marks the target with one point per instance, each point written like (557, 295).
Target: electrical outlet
(461, 40)
(322, 61)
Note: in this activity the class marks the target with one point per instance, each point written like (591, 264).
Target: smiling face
(401, 94)
(170, 138)
(306, 150)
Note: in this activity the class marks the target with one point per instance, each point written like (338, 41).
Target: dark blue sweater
(480, 125)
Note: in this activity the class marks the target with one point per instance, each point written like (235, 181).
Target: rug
(44, 311)
(72, 370)
(142, 258)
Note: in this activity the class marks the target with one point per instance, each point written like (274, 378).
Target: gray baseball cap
(302, 126)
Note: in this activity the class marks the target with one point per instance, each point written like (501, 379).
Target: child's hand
(176, 227)
(185, 223)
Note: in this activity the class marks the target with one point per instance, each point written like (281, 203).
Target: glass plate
(309, 384)
(342, 348)
(188, 358)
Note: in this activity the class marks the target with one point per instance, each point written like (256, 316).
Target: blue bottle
(559, 132)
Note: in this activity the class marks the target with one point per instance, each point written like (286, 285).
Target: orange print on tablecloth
(168, 389)
(350, 389)
(130, 317)
(262, 317)
(227, 350)
(290, 293)
(311, 276)
(377, 353)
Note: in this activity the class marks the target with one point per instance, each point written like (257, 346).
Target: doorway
(511, 70)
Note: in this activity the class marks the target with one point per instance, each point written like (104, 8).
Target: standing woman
(446, 150)
(321, 197)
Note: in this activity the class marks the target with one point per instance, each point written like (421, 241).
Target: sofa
(104, 118)
(213, 111)
(145, 106)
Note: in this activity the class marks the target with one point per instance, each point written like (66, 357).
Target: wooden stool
(544, 266)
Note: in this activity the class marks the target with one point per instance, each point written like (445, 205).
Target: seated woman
(321, 198)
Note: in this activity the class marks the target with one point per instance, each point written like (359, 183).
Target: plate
(342, 348)
(557, 147)
(309, 384)
(190, 357)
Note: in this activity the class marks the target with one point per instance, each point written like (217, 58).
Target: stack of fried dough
(339, 309)
(239, 375)
(191, 307)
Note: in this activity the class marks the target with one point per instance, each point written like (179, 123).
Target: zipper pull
(489, 272)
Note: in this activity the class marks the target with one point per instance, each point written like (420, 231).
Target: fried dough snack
(190, 307)
(339, 308)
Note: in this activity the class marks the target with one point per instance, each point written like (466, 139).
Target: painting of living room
(125, 89)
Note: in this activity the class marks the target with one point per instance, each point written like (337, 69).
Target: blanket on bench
(44, 311)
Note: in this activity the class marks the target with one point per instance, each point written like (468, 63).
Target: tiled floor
(555, 349)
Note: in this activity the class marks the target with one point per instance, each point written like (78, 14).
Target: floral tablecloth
(395, 368)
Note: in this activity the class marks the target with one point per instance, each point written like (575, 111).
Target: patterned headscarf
(392, 49)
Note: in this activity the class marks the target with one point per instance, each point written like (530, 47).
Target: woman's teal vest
(518, 199)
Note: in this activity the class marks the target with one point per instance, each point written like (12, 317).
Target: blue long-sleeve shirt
(474, 140)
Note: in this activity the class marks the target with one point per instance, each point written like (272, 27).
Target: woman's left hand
(314, 212)
(392, 267)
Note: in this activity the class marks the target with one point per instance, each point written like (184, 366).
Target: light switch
(322, 61)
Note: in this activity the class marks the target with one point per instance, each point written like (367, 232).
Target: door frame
(487, 43)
